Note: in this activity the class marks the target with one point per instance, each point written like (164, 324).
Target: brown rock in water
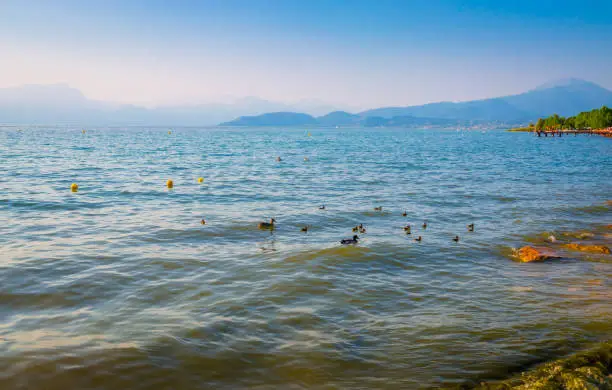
(583, 235)
(588, 248)
(528, 254)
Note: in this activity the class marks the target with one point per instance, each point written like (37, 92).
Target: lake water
(119, 286)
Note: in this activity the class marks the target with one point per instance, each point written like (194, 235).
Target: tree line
(596, 119)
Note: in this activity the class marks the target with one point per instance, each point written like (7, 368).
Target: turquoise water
(120, 286)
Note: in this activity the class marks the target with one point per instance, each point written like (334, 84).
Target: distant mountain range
(61, 104)
(565, 97)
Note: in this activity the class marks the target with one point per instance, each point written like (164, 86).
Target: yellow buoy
(74, 187)
(200, 180)
(169, 184)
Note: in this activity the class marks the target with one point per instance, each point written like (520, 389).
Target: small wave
(51, 206)
(344, 252)
(44, 300)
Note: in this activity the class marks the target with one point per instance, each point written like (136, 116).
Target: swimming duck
(404, 214)
(378, 208)
(356, 229)
(266, 225)
(470, 227)
(418, 239)
(279, 159)
(350, 241)
(407, 229)
(306, 159)
(425, 225)
(203, 221)
(456, 239)
(305, 229)
(322, 207)
(361, 228)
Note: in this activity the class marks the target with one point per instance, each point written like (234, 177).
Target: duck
(361, 228)
(203, 221)
(404, 214)
(418, 239)
(407, 229)
(306, 159)
(470, 227)
(425, 225)
(350, 241)
(279, 159)
(267, 225)
(378, 208)
(456, 239)
(356, 229)
(305, 229)
(322, 207)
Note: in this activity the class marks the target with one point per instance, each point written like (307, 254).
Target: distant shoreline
(607, 132)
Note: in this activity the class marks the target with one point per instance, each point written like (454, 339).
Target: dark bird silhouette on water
(470, 227)
(456, 239)
(404, 214)
(350, 241)
(267, 225)
(418, 239)
(425, 225)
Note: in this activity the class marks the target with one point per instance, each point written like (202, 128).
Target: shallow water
(120, 286)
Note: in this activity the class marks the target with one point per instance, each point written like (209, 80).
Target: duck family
(357, 229)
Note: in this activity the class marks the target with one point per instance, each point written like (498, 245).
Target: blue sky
(352, 53)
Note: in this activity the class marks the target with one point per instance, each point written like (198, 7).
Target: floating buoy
(169, 184)
(74, 187)
(200, 180)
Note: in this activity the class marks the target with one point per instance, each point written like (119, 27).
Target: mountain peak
(567, 82)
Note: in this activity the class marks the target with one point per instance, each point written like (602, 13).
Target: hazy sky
(356, 53)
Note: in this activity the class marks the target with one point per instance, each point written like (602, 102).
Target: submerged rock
(580, 235)
(588, 248)
(587, 370)
(528, 254)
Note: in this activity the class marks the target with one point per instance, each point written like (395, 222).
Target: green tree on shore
(596, 119)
